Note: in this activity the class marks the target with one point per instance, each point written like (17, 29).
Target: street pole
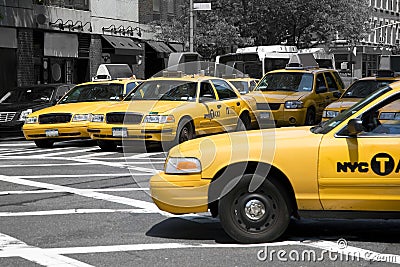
(191, 26)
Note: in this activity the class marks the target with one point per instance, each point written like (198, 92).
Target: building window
(156, 5)
(171, 7)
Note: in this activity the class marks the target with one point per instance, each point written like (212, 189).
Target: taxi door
(211, 107)
(231, 104)
(362, 172)
(322, 94)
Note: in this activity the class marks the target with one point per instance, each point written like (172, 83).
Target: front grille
(123, 118)
(268, 106)
(55, 118)
(7, 116)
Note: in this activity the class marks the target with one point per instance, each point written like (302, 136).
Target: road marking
(43, 165)
(73, 211)
(62, 191)
(70, 152)
(367, 255)
(12, 153)
(12, 247)
(77, 175)
(96, 195)
(18, 144)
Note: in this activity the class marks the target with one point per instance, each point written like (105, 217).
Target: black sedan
(19, 102)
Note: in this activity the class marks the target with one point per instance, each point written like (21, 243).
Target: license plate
(51, 133)
(120, 132)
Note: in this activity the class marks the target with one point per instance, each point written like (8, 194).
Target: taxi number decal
(229, 110)
(212, 114)
(381, 164)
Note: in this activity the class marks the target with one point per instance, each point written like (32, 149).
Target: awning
(123, 45)
(60, 45)
(161, 48)
(8, 37)
(177, 47)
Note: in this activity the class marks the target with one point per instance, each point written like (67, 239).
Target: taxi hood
(75, 108)
(343, 103)
(237, 144)
(278, 96)
(143, 106)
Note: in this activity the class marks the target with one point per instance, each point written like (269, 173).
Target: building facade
(362, 59)
(64, 41)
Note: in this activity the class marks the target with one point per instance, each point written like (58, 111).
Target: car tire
(310, 117)
(107, 145)
(254, 217)
(244, 123)
(185, 131)
(44, 143)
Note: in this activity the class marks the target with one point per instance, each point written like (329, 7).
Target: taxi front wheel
(185, 131)
(254, 217)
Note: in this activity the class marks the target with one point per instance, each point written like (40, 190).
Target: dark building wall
(145, 11)
(95, 54)
(25, 64)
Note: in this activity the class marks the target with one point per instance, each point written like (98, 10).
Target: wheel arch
(274, 174)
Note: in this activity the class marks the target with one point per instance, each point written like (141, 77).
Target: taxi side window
(224, 91)
(320, 84)
(332, 86)
(206, 91)
(382, 120)
(339, 80)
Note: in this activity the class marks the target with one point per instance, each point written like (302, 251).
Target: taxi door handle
(218, 106)
(237, 103)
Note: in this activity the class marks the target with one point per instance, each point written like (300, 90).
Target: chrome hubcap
(254, 209)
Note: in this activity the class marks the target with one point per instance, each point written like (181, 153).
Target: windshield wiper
(320, 125)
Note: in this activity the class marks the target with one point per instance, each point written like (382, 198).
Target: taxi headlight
(24, 114)
(31, 120)
(97, 118)
(330, 113)
(159, 119)
(293, 104)
(182, 166)
(81, 117)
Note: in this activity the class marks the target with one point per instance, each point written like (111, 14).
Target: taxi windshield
(286, 81)
(363, 88)
(27, 95)
(93, 92)
(327, 126)
(164, 90)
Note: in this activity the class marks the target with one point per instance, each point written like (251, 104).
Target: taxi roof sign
(302, 61)
(113, 72)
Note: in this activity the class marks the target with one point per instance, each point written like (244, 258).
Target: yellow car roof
(306, 70)
(187, 78)
(119, 81)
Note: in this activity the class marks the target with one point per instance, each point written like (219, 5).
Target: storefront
(8, 55)
(61, 57)
(157, 54)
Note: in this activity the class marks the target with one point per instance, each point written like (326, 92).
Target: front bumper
(147, 132)
(179, 194)
(73, 130)
(283, 117)
(12, 128)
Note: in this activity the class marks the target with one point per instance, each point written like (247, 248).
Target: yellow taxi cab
(68, 119)
(172, 109)
(298, 94)
(243, 84)
(357, 91)
(256, 180)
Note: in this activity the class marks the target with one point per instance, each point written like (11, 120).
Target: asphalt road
(75, 205)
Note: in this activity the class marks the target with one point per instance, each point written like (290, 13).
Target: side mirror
(354, 126)
(322, 89)
(337, 94)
